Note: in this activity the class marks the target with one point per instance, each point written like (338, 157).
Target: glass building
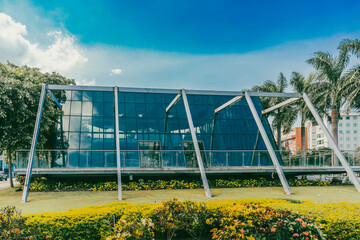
(150, 136)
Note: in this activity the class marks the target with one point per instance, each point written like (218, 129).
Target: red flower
(17, 230)
(170, 224)
(296, 235)
(306, 238)
(303, 224)
(242, 231)
(306, 233)
(273, 229)
(298, 220)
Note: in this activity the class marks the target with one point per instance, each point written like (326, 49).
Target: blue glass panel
(65, 123)
(76, 95)
(142, 125)
(98, 109)
(98, 124)
(109, 159)
(74, 140)
(74, 123)
(85, 141)
(75, 108)
(139, 97)
(130, 110)
(86, 124)
(85, 159)
(73, 159)
(97, 159)
(122, 125)
(87, 108)
(131, 125)
(66, 107)
(98, 96)
(140, 110)
(108, 96)
(149, 98)
(121, 97)
(129, 97)
(109, 124)
(109, 109)
(109, 141)
(97, 141)
(87, 96)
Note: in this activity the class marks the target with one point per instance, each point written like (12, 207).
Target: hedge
(237, 219)
(41, 184)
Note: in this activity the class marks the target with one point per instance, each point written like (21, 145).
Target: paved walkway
(6, 184)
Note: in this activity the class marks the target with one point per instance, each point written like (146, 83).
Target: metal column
(268, 144)
(117, 142)
(196, 145)
(332, 143)
(33, 144)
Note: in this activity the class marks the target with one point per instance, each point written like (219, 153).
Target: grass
(61, 201)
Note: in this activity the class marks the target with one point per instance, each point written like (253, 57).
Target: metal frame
(228, 103)
(239, 94)
(332, 143)
(268, 144)
(279, 105)
(117, 142)
(33, 145)
(196, 144)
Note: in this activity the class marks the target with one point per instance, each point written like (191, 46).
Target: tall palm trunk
(303, 140)
(10, 168)
(334, 124)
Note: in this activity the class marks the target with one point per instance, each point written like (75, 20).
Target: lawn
(61, 201)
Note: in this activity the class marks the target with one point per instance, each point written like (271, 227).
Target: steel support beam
(332, 143)
(54, 98)
(268, 144)
(117, 142)
(282, 104)
(173, 102)
(228, 103)
(196, 144)
(33, 145)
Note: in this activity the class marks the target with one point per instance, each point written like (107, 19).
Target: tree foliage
(20, 89)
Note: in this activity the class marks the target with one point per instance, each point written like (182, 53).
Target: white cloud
(117, 71)
(62, 54)
(86, 82)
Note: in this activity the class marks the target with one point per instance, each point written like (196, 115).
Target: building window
(341, 139)
(355, 117)
(347, 131)
(341, 145)
(348, 125)
(355, 124)
(355, 138)
(340, 124)
(341, 131)
(355, 131)
(348, 139)
(347, 145)
(347, 118)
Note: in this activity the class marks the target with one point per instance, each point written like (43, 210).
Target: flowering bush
(11, 223)
(173, 216)
(133, 226)
(41, 184)
(247, 221)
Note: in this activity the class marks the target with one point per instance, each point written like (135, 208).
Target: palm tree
(301, 85)
(352, 84)
(284, 117)
(328, 92)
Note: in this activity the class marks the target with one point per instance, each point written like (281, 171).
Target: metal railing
(47, 159)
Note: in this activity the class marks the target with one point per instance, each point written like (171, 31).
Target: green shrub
(245, 218)
(41, 184)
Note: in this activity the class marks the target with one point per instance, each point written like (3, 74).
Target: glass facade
(152, 138)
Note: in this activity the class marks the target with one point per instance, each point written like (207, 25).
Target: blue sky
(223, 45)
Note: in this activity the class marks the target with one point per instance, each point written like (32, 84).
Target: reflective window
(75, 108)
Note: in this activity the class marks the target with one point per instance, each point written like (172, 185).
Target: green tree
(284, 117)
(327, 92)
(20, 89)
(352, 83)
(301, 85)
